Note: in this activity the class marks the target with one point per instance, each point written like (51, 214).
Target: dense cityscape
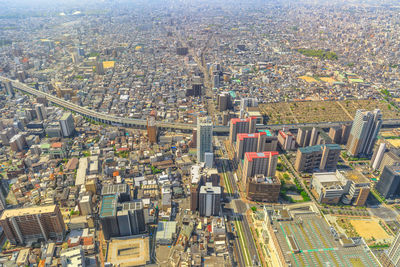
(199, 133)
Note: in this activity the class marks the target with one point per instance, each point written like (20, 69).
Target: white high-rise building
(204, 137)
(379, 156)
(67, 124)
(364, 132)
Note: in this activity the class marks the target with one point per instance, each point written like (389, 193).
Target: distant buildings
(204, 137)
(364, 133)
(31, 224)
(319, 157)
(209, 200)
(388, 185)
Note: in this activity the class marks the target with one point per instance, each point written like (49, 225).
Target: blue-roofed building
(317, 158)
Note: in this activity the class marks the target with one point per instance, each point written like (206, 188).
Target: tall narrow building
(67, 124)
(204, 137)
(152, 129)
(391, 257)
(364, 132)
(237, 126)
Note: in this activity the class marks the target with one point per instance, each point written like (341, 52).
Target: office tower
(224, 101)
(41, 112)
(388, 185)
(25, 225)
(209, 159)
(197, 86)
(9, 88)
(391, 257)
(378, 156)
(135, 216)
(237, 126)
(124, 225)
(67, 124)
(259, 163)
(100, 68)
(152, 129)
(364, 133)
(85, 205)
(53, 130)
(319, 157)
(286, 140)
(209, 200)
(17, 142)
(261, 188)
(182, 51)
(216, 81)
(204, 137)
(108, 216)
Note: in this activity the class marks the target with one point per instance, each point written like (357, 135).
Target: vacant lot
(369, 229)
(322, 111)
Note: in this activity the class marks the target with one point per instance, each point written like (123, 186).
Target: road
(248, 251)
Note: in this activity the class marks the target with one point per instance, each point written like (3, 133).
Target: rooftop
(108, 206)
(310, 149)
(253, 155)
(27, 211)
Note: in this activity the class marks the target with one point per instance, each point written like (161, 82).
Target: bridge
(141, 124)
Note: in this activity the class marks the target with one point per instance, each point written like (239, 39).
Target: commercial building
(67, 124)
(166, 232)
(259, 163)
(388, 185)
(238, 126)
(108, 216)
(204, 137)
(350, 187)
(261, 188)
(31, 224)
(85, 205)
(364, 132)
(255, 142)
(209, 200)
(319, 157)
(135, 218)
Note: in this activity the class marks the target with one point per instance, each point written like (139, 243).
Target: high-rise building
(378, 156)
(237, 126)
(204, 137)
(391, 257)
(135, 216)
(9, 88)
(335, 133)
(152, 129)
(26, 225)
(388, 185)
(85, 205)
(182, 51)
(259, 163)
(108, 216)
(389, 158)
(209, 200)
(364, 132)
(41, 112)
(17, 142)
(67, 124)
(100, 68)
(303, 136)
(286, 140)
(255, 142)
(319, 157)
(224, 101)
(248, 102)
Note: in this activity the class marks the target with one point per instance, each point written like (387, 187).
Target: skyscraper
(209, 200)
(67, 124)
(41, 113)
(391, 257)
(204, 137)
(152, 129)
(364, 133)
(389, 182)
(259, 163)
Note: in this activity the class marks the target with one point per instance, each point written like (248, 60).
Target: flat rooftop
(129, 251)
(355, 176)
(316, 244)
(108, 206)
(27, 211)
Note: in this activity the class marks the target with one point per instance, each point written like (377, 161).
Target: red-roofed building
(255, 142)
(286, 140)
(259, 163)
(237, 126)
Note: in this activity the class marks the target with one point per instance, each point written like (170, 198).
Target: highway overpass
(138, 123)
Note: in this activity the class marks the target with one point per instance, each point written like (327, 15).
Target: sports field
(369, 229)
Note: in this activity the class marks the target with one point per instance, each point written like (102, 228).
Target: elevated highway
(139, 123)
